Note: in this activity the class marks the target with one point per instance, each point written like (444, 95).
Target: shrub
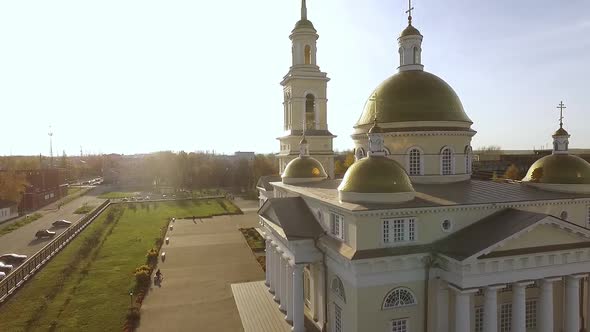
(152, 256)
(133, 316)
(142, 278)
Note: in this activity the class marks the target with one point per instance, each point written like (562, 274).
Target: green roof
(559, 169)
(376, 175)
(413, 95)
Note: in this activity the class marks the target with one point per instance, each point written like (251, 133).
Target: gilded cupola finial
(303, 10)
(561, 106)
(409, 12)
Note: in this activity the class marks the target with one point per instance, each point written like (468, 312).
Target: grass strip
(16, 225)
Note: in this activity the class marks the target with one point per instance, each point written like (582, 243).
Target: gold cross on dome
(561, 106)
(409, 11)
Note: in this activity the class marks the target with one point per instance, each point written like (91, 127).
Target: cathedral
(406, 240)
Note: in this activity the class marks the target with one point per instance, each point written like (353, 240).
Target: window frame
(337, 318)
(420, 161)
(409, 231)
(391, 293)
(478, 318)
(336, 218)
(505, 323)
(337, 287)
(588, 215)
(406, 323)
(468, 160)
(531, 313)
(451, 157)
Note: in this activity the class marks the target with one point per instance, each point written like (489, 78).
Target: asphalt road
(22, 240)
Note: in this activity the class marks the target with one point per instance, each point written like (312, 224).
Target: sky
(142, 76)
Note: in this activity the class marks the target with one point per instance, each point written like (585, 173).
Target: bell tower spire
(305, 101)
(561, 136)
(303, 10)
(410, 45)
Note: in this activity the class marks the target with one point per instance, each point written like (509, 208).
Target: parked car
(61, 223)
(6, 268)
(44, 233)
(13, 258)
(2, 275)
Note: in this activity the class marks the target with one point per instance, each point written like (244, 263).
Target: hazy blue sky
(141, 76)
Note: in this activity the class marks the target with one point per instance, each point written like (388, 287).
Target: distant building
(250, 156)
(8, 210)
(45, 186)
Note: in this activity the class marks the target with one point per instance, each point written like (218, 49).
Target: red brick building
(45, 186)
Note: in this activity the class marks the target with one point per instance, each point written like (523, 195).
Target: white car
(2, 275)
(5, 268)
(61, 223)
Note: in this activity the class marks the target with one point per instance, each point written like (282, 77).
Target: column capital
(577, 276)
(551, 279)
(494, 287)
(523, 283)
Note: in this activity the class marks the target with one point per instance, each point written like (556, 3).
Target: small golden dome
(304, 167)
(559, 169)
(376, 174)
(410, 31)
(561, 132)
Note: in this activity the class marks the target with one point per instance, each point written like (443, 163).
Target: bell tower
(305, 101)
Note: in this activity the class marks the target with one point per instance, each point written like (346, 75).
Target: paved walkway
(203, 259)
(259, 312)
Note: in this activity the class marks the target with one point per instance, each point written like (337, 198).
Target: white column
(462, 311)
(277, 271)
(283, 292)
(518, 307)
(270, 258)
(572, 303)
(545, 314)
(267, 262)
(442, 307)
(587, 320)
(490, 309)
(298, 318)
(321, 291)
(289, 317)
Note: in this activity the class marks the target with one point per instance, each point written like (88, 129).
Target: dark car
(13, 258)
(44, 233)
(61, 223)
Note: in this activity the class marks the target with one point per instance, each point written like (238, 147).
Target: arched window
(307, 54)
(446, 161)
(338, 288)
(468, 160)
(401, 56)
(310, 112)
(359, 153)
(414, 162)
(399, 297)
(307, 287)
(386, 150)
(416, 55)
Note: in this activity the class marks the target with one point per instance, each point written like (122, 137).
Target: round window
(446, 225)
(563, 215)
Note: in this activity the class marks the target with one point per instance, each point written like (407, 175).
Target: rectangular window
(531, 314)
(506, 317)
(400, 325)
(478, 319)
(337, 318)
(336, 226)
(399, 230)
(385, 231)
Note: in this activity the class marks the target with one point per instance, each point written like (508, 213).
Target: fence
(27, 269)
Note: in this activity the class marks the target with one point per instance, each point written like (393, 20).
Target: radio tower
(50, 148)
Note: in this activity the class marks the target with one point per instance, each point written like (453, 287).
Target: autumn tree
(12, 186)
(512, 173)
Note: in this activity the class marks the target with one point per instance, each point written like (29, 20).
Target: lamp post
(131, 298)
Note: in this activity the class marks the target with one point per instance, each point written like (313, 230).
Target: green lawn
(118, 194)
(73, 190)
(86, 286)
(26, 220)
(84, 209)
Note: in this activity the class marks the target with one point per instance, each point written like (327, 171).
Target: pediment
(549, 234)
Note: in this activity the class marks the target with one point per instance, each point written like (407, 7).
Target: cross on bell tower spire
(561, 106)
(409, 11)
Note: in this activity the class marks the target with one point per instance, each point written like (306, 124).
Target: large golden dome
(413, 95)
(559, 169)
(376, 174)
(304, 168)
